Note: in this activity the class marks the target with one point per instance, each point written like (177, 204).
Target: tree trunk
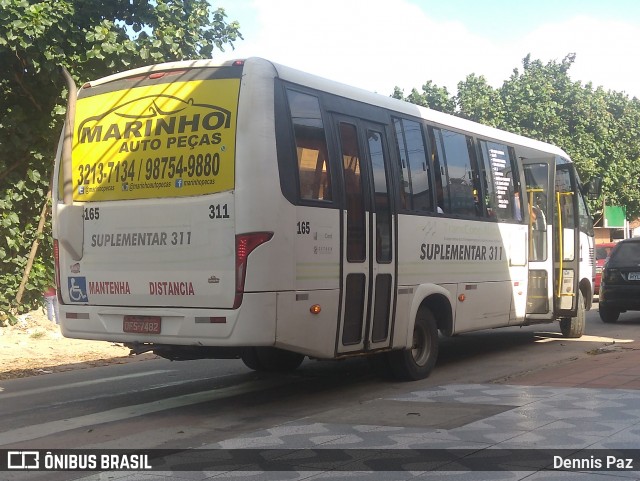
(34, 249)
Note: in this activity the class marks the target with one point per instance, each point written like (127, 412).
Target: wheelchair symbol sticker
(78, 289)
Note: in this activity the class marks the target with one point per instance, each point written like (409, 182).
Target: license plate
(142, 324)
(634, 276)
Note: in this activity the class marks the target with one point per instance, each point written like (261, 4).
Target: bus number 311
(219, 211)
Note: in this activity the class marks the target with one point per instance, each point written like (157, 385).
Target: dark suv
(620, 286)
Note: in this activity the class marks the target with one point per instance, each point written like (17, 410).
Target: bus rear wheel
(573, 327)
(271, 359)
(417, 362)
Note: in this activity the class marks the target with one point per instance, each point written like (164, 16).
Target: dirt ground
(34, 346)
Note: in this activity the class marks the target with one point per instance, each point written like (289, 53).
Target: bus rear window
(170, 139)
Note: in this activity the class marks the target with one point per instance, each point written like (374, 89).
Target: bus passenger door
(368, 238)
(538, 175)
(566, 240)
(553, 240)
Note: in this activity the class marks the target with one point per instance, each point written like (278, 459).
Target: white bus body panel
(315, 259)
(158, 253)
(480, 265)
(181, 326)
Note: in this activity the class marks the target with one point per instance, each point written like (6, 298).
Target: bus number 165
(304, 227)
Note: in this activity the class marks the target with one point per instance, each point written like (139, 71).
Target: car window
(625, 254)
(603, 251)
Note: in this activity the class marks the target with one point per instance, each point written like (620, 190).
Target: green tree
(91, 39)
(478, 101)
(534, 99)
(432, 96)
(599, 129)
(619, 152)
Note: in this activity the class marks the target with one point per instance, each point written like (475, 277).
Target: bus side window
(502, 196)
(415, 189)
(314, 176)
(462, 174)
(583, 215)
(537, 188)
(384, 221)
(442, 197)
(354, 195)
(404, 188)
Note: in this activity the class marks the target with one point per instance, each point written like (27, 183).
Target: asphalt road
(178, 405)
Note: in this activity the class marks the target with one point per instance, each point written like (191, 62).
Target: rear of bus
(153, 248)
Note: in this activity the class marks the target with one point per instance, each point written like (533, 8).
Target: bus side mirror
(593, 188)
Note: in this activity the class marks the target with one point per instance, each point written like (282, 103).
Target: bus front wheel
(418, 361)
(271, 359)
(573, 327)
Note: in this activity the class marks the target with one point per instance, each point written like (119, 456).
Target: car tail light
(245, 245)
(611, 276)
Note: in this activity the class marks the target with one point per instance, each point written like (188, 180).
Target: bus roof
(448, 120)
(337, 88)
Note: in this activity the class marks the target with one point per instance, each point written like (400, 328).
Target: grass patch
(37, 335)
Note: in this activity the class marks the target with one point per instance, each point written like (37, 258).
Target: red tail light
(245, 244)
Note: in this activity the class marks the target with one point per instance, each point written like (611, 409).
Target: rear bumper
(620, 297)
(252, 324)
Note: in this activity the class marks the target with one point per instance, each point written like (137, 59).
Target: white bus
(250, 210)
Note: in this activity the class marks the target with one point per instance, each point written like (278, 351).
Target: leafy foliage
(599, 129)
(431, 96)
(91, 39)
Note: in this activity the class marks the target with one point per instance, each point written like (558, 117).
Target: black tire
(249, 356)
(608, 315)
(271, 359)
(418, 362)
(573, 327)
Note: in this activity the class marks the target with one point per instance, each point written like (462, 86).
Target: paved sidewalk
(616, 366)
(582, 406)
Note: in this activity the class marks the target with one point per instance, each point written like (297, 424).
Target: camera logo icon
(23, 460)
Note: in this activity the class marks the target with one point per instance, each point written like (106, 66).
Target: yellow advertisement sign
(165, 140)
